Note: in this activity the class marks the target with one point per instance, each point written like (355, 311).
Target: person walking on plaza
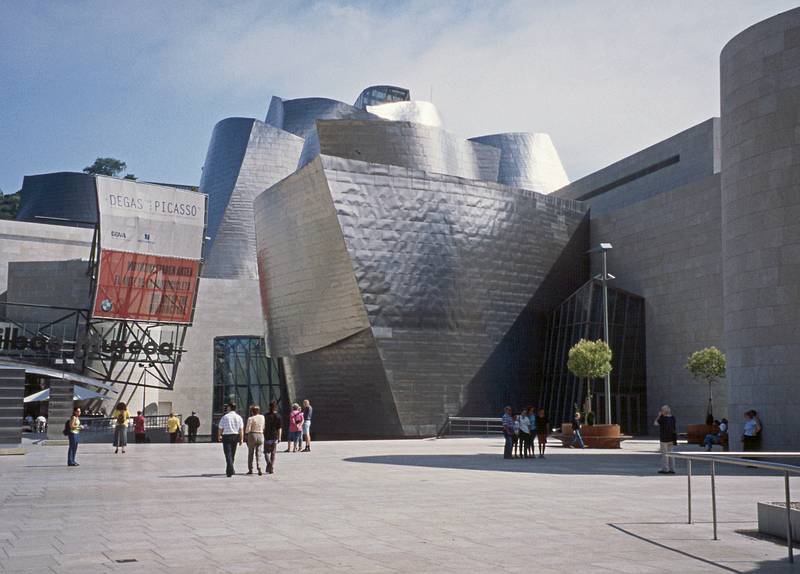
(668, 438)
(525, 433)
(577, 438)
(192, 424)
(254, 431)
(295, 428)
(173, 426)
(508, 433)
(273, 427)
(231, 434)
(121, 417)
(73, 431)
(139, 432)
(542, 430)
(308, 410)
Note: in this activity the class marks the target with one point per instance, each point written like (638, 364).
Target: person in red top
(138, 428)
(295, 428)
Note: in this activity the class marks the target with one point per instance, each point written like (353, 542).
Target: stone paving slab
(376, 506)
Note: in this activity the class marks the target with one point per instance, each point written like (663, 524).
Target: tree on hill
(106, 166)
(9, 205)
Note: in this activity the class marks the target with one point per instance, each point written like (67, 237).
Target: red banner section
(145, 287)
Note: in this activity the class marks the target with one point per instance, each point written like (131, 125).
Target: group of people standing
(263, 433)
(519, 431)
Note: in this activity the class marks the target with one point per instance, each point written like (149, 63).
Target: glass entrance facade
(244, 375)
(580, 316)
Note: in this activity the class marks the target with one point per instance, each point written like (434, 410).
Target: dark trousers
(173, 436)
(192, 435)
(139, 438)
(270, 447)
(509, 446)
(229, 444)
(72, 451)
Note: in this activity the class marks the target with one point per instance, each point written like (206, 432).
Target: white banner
(150, 219)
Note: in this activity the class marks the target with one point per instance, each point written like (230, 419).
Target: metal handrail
(733, 458)
(466, 425)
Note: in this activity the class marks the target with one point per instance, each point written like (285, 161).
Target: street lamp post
(604, 248)
(605, 332)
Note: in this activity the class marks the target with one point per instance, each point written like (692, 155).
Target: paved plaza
(447, 505)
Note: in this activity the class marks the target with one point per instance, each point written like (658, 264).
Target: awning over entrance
(55, 373)
(78, 394)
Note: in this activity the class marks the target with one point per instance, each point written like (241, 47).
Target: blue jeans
(577, 438)
(229, 444)
(508, 450)
(74, 439)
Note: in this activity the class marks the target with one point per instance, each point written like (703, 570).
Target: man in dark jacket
(192, 424)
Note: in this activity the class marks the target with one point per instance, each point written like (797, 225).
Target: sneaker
(663, 472)
(670, 472)
(249, 472)
(259, 473)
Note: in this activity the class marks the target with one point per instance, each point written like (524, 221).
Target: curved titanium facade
(408, 145)
(424, 113)
(63, 195)
(449, 273)
(529, 161)
(245, 156)
(761, 224)
(299, 116)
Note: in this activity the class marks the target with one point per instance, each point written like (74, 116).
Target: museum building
(364, 257)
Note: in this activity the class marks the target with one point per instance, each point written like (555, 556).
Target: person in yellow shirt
(120, 416)
(173, 426)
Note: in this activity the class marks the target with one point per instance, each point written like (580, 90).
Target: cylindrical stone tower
(760, 93)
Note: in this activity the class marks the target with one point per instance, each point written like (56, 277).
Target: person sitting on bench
(720, 437)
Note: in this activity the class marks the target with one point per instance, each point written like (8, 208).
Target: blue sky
(146, 81)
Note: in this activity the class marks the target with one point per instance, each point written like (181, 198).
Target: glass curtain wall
(244, 375)
(581, 317)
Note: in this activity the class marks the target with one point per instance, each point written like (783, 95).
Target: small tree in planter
(707, 365)
(589, 360)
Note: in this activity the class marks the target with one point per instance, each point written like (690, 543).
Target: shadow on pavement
(628, 464)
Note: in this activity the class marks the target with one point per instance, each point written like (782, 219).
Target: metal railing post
(689, 487)
(789, 541)
(714, 499)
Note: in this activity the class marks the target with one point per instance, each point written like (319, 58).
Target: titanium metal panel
(299, 116)
(307, 282)
(65, 195)
(529, 161)
(245, 157)
(221, 167)
(451, 275)
(408, 145)
(348, 387)
(424, 113)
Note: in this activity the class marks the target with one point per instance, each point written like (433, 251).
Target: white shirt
(231, 423)
(524, 424)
